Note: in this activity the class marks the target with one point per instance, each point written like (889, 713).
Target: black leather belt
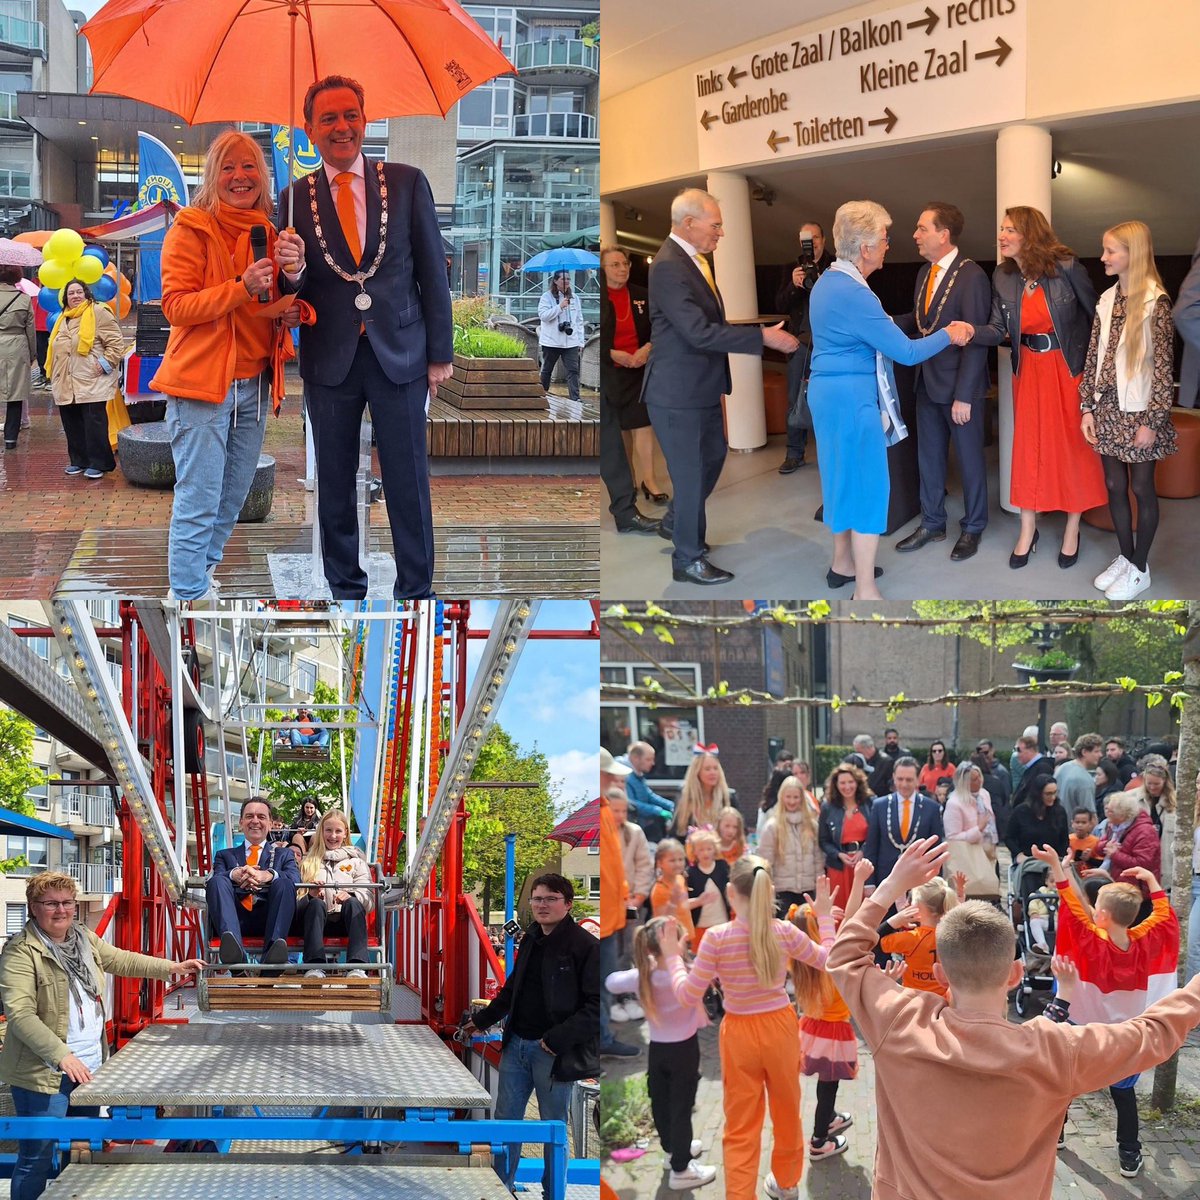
(852, 847)
(1039, 343)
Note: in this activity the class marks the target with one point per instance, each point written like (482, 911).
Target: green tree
(527, 812)
(17, 773)
(288, 785)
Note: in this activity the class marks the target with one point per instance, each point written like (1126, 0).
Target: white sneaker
(314, 974)
(694, 1151)
(696, 1175)
(618, 1014)
(356, 974)
(633, 1010)
(780, 1193)
(1132, 583)
(1112, 572)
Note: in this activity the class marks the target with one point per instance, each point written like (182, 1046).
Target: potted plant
(1039, 665)
(491, 369)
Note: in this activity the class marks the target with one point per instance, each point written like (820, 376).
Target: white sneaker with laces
(780, 1193)
(356, 974)
(314, 974)
(1132, 583)
(696, 1175)
(618, 1014)
(1112, 572)
(694, 1151)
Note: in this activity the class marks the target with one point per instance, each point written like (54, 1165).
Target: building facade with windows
(529, 154)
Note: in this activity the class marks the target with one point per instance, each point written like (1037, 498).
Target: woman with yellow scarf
(85, 350)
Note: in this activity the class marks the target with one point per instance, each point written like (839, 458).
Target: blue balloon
(104, 289)
(49, 301)
(97, 252)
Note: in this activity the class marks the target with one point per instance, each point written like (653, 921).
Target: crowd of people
(894, 862)
(1093, 383)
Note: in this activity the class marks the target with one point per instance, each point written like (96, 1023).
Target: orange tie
(905, 820)
(345, 211)
(251, 861)
(931, 285)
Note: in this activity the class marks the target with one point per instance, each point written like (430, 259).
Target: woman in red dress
(842, 826)
(1043, 302)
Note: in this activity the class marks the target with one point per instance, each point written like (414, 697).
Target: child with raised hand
(912, 933)
(760, 1044)
(669, 895)
(707, 878)
(828, 1043)
(1015, 1081)
(674, 1067)
(731, 829)
(1122, 967)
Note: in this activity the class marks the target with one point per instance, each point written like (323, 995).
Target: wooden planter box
(494, 383)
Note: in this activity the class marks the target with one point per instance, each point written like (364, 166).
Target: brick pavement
(43, 513)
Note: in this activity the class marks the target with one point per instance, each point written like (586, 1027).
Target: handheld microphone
(258, 247)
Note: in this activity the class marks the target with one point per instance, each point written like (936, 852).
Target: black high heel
(1068, 560)
(1016, 561)
(654, 497)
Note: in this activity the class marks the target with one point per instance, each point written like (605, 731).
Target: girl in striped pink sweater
(760, 1039)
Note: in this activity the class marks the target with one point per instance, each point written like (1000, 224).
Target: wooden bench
(564, 430)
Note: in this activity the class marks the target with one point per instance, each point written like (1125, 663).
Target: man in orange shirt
(613, 891)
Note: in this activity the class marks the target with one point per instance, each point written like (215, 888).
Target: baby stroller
(1033, 909)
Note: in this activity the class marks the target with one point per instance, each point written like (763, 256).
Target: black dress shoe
(965, 547)
(276, 953)
(654, 497)
(669, 535)
(1068, 560)
(231, 949)
(789, 465)
(919, 537)
(701, 571)
(836, 580)
(640, 523)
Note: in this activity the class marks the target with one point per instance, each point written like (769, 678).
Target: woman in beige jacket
(86, 347)
(18, 349)
(332, 898)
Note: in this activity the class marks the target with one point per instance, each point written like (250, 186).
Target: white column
(1023, 161)
(745, 414)
(608, 224)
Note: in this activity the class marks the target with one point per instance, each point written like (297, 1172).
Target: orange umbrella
(229, 60)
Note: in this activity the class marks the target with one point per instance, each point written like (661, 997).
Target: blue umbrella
(567, 258)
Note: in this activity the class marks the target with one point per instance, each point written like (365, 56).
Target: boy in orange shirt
(1083, 841)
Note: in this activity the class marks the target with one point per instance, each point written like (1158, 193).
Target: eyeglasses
(64, 904)
(545, 899)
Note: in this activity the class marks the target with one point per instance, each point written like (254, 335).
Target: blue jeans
(1193, 938)
(320, 738)
(608, 965)
(525, 1069)
(35, 1160)
(216, 456)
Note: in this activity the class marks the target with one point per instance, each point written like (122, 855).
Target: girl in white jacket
(332, 899)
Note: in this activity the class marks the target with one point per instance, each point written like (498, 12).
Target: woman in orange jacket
(225, 353)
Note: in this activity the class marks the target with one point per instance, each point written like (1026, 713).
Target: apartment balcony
(558, 62)
(65, 757)
(555, 125)
(19, 34)
(95, 879)
(86, 807)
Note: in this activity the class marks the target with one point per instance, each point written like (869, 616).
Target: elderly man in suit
(252, 889)
(383, 338)
(689, 370)
(952, 385)
(898, 819)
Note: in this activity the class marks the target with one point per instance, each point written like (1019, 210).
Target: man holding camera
(795, 287)
(561, 331)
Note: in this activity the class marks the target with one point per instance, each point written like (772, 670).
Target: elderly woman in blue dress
(855, 411)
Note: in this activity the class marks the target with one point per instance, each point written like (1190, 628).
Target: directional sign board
(913, 71)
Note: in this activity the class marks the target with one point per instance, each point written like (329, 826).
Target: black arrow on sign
(774, 140)
(888, 120)
(1002, 51)
(708, 119)
(929, 20)
(735, 75)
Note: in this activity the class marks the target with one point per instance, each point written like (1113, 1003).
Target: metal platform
(347, 1179)
(388, 1066)
(406, 1006)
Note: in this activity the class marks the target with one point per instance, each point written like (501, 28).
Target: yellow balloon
(65, 246)
(54, 274)
(87, 269)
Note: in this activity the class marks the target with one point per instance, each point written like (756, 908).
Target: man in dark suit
(792, 296)
(689, 370)
(1038, 767)
(896, 820)
(376, 275)
(252, 889)
(951, 386)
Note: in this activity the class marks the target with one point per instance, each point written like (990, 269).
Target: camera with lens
(565, 327)
(807, 256)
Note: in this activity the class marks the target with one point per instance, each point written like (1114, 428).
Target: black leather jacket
(1072, 303)
(829, 831)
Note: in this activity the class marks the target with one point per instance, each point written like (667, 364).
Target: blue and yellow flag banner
(308, 157)
(160, 177)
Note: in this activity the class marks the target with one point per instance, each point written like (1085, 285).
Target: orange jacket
(216, 325)
(613, 888)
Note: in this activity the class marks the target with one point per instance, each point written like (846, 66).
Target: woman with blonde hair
(1156, 795)
(225, 353)
(760, 1039)
(1125, 396)
(702, 795)
(1043, 302)
(332, 897)
(790, 842)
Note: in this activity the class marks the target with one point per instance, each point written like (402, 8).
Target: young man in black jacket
(552, 1001)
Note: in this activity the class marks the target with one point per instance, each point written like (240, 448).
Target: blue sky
(553, 698)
